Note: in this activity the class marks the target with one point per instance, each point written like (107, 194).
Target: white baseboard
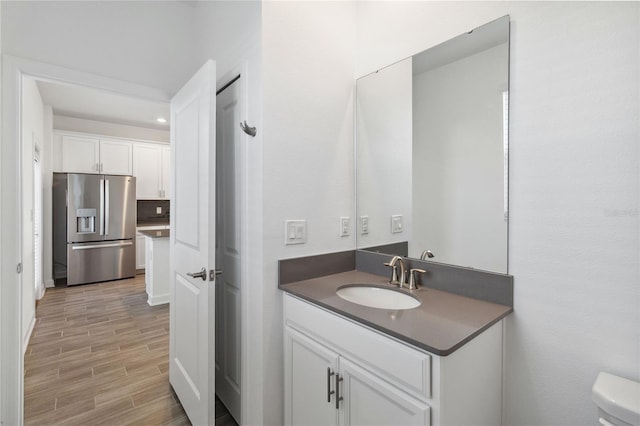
(41, 293)
(25, 344)
(49, 284)
(158, 300)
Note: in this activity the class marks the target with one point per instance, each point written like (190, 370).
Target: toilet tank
(618, 400)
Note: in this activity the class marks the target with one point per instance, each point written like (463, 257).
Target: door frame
(242, 70)
(11, 358)
(13, 70)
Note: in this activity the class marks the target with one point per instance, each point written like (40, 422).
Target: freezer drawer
(100, 261)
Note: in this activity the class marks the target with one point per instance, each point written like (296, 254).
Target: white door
(192, 241)
(228, 249)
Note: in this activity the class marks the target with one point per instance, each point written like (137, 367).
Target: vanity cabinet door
(309, 383)
(368, 400)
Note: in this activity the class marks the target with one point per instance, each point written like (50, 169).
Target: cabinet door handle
(338, 397)
(329, 391)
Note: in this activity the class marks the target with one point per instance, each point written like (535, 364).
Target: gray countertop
(442, 323)
(161, 233)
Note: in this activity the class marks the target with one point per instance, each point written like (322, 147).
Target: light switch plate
(364, 225)
(345, 226)
(159, 210)
(295, 232)
(396, 224)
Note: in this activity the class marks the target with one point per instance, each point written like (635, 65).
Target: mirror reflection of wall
(431, 146)
(384, 152)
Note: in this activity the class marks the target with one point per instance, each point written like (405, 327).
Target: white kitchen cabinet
(157, 270)
(116, 157)
(166, 172)
(85, 154)
(151, 165)
(80, 154)
(140, 252)
(381, 380)
(141, 245)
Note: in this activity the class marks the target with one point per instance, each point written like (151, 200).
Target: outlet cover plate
(345, 226)
(364, 225)
(396, 224)
(295, 232)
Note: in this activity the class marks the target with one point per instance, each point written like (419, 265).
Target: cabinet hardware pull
(329, 391)
(338, 397)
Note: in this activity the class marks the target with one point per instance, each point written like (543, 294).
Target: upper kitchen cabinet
(151, 167)
(85, 154)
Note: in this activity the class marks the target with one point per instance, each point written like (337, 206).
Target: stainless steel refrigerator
(94, 227)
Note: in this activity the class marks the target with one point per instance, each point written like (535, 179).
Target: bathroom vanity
(436, 364)
(431, 180)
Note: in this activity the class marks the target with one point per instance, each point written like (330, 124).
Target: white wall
(308, 68)
(458, 161)
(32, 137)
(384, 150)
(574, 187)
(73, 124)
(147, 43)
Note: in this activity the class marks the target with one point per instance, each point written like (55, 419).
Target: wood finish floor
(99, 355)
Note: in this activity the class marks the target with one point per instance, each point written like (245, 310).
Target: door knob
(202, 274)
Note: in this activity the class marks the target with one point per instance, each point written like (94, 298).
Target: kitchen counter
(159, 233)
(442, 323)
(147, 224)
(157, 266)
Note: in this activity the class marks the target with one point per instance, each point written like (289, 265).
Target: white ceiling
(92, 104)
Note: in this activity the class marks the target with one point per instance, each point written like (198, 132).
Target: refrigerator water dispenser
(86, 221)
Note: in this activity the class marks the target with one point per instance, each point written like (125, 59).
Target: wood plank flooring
(99, 355)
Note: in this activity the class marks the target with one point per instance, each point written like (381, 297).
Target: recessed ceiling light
(161, 120)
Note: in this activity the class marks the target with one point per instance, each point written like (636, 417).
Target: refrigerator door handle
(99, 246)
(106, 207)
(101, 206)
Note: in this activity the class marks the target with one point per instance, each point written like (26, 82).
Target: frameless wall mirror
(432, 152)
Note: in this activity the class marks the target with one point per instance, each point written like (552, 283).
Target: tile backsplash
(148, 212)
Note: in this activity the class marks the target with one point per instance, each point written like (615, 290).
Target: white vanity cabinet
(381, 380)
(85, 154)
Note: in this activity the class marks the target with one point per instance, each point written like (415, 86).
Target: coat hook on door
(251, 131)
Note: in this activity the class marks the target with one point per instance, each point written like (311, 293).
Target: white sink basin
(377, 297)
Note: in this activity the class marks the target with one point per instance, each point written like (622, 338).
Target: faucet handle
(413, 283)
(394, 273)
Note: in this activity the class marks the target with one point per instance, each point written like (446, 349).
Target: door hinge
(19, 268)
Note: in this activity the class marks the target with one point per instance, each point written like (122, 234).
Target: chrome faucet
(425, 254)
(395, 264)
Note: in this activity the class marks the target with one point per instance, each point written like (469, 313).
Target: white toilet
(618, 400)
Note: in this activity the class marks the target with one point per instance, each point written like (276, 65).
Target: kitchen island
(157, 266)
